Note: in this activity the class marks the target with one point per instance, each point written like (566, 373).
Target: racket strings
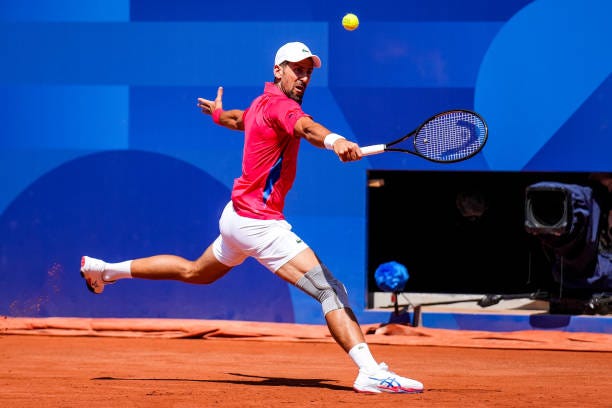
(451, 136)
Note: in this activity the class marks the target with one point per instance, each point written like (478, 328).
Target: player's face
(294, 78)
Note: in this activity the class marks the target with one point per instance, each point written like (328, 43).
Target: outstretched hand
(208, 106)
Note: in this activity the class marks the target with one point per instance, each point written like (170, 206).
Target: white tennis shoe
(384, 380)
(91, 270)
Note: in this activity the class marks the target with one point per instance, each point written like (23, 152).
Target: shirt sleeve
(244, 114)
(284, 114)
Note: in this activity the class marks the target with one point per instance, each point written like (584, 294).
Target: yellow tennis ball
(350, 22)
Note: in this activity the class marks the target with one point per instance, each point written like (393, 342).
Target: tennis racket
(447, 137)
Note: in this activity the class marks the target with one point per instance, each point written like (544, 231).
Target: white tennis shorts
(271, 242)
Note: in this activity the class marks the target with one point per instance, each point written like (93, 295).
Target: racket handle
(372, 149)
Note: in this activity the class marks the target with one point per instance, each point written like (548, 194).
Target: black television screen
(457, 232)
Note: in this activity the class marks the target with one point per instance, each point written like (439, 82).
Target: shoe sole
(388, 391)
(365, 392)
(88, 285)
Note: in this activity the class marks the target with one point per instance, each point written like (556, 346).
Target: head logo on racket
(447, 137)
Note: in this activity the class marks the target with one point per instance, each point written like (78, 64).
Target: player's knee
(320, 283)
(196, 274)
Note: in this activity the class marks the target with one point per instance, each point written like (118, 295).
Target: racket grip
(372, 149)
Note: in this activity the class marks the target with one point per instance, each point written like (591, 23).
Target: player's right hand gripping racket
(447, 137)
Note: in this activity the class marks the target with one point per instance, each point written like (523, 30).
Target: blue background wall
(103, 151)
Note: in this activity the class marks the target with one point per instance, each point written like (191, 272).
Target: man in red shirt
(253, 224)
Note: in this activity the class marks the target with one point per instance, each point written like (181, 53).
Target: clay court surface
(200, 364)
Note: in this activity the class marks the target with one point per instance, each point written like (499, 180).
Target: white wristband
(330, 140)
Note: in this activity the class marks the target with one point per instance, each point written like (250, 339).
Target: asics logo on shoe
(390, 384)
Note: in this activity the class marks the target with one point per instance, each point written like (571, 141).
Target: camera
(567, 219)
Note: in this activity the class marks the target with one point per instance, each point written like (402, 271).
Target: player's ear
(278, 71)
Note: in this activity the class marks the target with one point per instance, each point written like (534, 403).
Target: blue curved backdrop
(103, 151)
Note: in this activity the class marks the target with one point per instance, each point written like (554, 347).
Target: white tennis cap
(295, 52)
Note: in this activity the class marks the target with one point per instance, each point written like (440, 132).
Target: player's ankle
(116, 271)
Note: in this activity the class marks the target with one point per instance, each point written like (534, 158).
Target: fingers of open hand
(206, 106)
(219, 97)
(218, 104)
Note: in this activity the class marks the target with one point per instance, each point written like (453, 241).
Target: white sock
(115, 271)
(361, 355)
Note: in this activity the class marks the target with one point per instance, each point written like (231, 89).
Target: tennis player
(253, 225)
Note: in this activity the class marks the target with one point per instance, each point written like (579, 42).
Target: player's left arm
(319, 136)
(231, 119)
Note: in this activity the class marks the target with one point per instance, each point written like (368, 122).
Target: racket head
(451, 136)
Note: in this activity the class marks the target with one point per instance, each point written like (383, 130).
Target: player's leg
(342, 323)
(281, 251)
(307, 273)
(204, 270)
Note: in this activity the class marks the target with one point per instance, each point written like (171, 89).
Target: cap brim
(317, 61)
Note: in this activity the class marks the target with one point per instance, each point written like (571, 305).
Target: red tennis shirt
(269, 159)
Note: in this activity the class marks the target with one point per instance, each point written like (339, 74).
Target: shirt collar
(273, 89)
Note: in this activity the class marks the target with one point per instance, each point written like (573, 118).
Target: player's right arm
(315, 133)
(231, 119)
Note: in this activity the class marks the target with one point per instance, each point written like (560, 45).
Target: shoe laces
(384, 367)
(381, 371)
